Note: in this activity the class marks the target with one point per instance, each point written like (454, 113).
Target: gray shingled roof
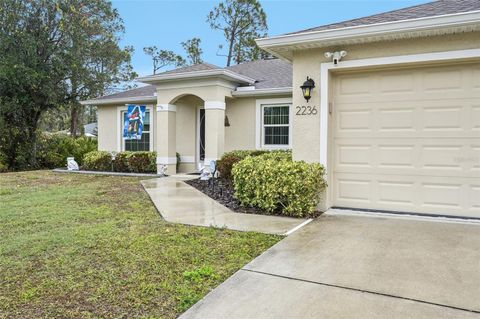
(148, 90)
(436, 8)
(267, 73)
(193, 68)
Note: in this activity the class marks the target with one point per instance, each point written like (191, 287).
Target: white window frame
(120, 122)
(260, 126)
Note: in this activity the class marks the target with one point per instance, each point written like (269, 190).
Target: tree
(193, 50)
(96, 63)
(54, 54)
(242, 21)
(163, 58)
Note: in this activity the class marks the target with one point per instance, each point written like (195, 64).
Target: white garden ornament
(162, 170)
(72, 165)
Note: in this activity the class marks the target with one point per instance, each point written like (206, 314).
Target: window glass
(276, 120)
(142, 144)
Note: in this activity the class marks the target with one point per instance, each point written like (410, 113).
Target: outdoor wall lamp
(307, 88)
(227, 122)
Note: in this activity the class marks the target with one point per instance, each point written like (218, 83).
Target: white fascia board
(371, 30)
(120, 100)
(232, 76)
(262, 92)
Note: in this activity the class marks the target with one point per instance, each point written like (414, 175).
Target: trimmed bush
(121, 162)
(225, 164)
(275, 183)
(97, 161)
(142, 162)
(53, 149)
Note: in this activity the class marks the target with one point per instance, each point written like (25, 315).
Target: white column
(214, 130)
(166, 138)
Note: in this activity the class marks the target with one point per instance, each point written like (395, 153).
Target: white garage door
(408, 140)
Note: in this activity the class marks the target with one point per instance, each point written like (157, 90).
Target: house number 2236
(306, 110)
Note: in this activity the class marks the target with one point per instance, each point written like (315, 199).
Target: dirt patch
(222, 191)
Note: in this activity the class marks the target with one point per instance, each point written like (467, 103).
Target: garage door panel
(408, 140)
(457, 196)
(407, 85)
(419, 118)
(422, 156)
(475, 118)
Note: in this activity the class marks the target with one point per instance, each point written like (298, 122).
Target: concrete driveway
(358, 266)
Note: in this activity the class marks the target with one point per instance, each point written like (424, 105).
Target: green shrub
(142, 162)
(277, 155)
(3, 164)
(273, 183)
(121, 162)
(53, 149)
(97, 161)
(225, 164)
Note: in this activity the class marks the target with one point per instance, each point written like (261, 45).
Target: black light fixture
(307, 88)
(227, 122)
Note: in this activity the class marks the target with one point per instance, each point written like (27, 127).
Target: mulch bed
(223, 192)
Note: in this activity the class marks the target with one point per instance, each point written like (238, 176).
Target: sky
(166, 23)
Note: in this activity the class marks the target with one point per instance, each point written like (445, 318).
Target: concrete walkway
(178, 202)
(358, 266)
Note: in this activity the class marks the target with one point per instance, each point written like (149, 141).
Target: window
(144, 143)
(276, 125)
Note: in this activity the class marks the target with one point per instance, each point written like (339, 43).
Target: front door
(201, 134)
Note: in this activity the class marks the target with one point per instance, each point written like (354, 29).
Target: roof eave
(263, 92)
(226, 74)
(124, 100)
(282, 46)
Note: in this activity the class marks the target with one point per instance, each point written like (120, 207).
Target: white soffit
(283, 45)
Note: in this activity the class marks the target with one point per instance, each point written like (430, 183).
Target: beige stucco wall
(186, 131)
(306, 129)
(241, 132)
(107, 128)
(241, 113)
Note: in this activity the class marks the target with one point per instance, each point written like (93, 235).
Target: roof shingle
(436, 8)
(148, 90)
(267, 73)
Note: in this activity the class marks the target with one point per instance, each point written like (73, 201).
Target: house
(394, 114)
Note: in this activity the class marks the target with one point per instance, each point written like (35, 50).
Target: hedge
(53, 149)
(225, 164)
(97, 161)
(275, 183)
(142, 162)
(127, 162)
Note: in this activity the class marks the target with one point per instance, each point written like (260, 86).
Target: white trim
(187, 159)
(325, 69)
(412, 58)
(123, 100)
(214, 105)
(166, 160)
(260, 92)
(435, 25)
(227, 74)
(119, 127)
(259, 104)
(166, 108)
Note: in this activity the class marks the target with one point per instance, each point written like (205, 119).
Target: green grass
(77, 246)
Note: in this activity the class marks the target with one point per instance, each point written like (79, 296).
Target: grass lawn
(77, 246)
